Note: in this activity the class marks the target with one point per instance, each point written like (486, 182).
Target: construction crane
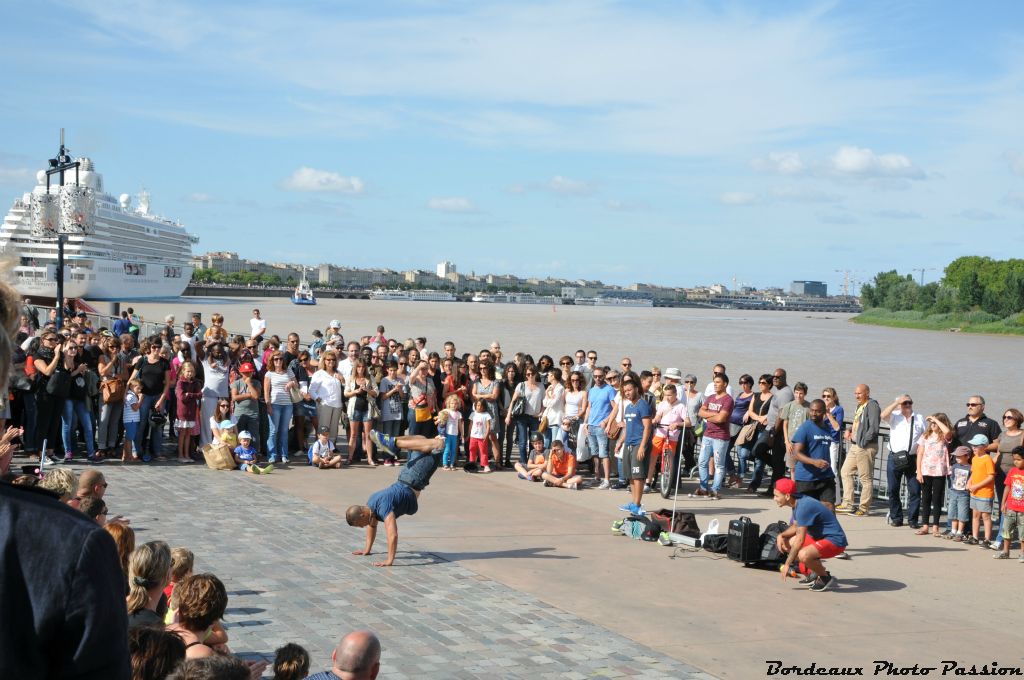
(846, 279)
(923, 270)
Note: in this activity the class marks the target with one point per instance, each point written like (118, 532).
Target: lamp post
(58, 166)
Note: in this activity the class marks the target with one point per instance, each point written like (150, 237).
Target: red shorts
(826, 548)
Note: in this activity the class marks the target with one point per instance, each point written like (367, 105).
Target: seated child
(561, 468)
(229, 433)
(322, 453)
(535, 465)
(245, 455)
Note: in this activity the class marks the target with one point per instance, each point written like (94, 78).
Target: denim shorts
(360, 416)
(958, 507)
(981, 504)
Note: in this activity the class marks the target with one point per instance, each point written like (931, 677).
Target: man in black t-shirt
(976, 422)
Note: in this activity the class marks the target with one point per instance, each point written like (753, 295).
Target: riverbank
(966, 322)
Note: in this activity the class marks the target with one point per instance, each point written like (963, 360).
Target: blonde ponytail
(148, 568)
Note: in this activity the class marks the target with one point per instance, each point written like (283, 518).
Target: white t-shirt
(478, 424)
(259, 326)
(322, 450)
(130, 415)
(454, 418)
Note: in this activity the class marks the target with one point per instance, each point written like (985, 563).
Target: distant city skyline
(667, 143)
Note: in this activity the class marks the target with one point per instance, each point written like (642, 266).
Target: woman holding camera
(154, 373)
(49, 362)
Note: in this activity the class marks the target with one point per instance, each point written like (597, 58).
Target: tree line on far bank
(973, 290)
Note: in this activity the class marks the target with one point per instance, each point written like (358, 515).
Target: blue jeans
(760, 453)
(75, 408)
(913, 493)
(553, 432)
(525, 426)
(597, 441)
(743, 454)
(418, 471)
(156, 436)
(712, 447)
(277, 439)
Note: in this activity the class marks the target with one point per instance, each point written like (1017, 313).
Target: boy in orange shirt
(561, 468)
(982, 487)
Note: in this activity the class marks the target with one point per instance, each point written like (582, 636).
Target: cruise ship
(611, 301)
(413, 295)
(517, 298)
(129, 253)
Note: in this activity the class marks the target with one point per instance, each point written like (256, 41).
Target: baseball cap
(247, 367)
(335, 323)
(536, 437)
(786, 486)
(226, 424)
(963, 451)
(324, 430)
(979, 440)
(245, 434)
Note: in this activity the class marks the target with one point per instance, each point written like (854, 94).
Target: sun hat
(673, 374)
(335, 323)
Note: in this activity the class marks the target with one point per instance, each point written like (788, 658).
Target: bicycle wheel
(666, 481)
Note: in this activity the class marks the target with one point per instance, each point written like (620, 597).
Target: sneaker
(808, 580)
(519, 474)
(843, 508)
(619, 485)
(894, 522)
(959, 538)
(574, 486)
(146, 458)
(266, 469)
(617, 527)
(984, 545)
(384, 441)
(272, 460)
(1021, 558)
(713, 496)
(971, 540)
(859, 513)
(822, 584)
(947, 533)
(996, 545)
(547, 483)
(628, 507)
(487, 468)
(647, 488)
(67, 457)
(603, 485)
(843, 556)
(664, 538)
(1001, 556)
(284, 460)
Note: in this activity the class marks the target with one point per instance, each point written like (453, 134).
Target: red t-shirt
(718, 404)
(1015, 490)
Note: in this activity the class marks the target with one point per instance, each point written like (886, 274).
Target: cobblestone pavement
(290, 576)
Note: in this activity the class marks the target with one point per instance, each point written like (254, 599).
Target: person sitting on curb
(322, 452)
(561, 468)
(402, 497)
(814, 535)
(536, 464)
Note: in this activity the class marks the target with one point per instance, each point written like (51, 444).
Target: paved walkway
(291, 578)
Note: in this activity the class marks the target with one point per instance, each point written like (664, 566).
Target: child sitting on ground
(1013, 506)
(448, 423)
(245, 455)
(536, 463)
(958, 501)
(982, 488)
(480, 427)
(322, 453)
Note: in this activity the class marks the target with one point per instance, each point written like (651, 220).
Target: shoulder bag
(903, 460)
(749, 431)
(59, 384)
(518, 401)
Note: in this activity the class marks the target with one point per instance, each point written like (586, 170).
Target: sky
(673, 143)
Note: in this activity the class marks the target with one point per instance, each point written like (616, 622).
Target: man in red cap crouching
(813, 536)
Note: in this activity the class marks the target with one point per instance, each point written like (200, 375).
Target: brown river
(939, 369)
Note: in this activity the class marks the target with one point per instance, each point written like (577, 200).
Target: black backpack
(652, 528)
(770, 554)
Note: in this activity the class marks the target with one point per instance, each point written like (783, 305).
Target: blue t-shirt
(246, 455)
(839, 414)
(819, 521)
(120, 327)
(397, 498)
(634, 415)
(816, 440)
(325, 675)
(600, 400)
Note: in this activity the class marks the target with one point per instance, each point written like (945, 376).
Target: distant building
(809, 288)
(445, 269)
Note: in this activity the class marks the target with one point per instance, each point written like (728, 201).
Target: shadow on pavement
(442, 557)
(907, 551)
(867, 585)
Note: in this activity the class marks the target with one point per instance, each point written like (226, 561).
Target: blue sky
(674, 143)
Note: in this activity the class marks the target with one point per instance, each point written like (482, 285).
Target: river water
(939, 369)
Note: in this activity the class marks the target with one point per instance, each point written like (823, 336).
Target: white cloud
(567, 187)
(741, 198)
(1016, 161)
(311, 179)
(21, 177)
(977, 215)
(897, 214)
(852, 161)
(780, 163)
(1015, 198)
(451, 205)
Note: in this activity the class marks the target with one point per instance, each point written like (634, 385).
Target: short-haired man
(860, 457)
(814, 535)
(636, 416)
(905, 430)
(258, 326)
(198, 325)
(792, 416)
(782, 395)
(346, 365)
(709, 389)
(716, 411)
(812, 470)
(560, 469)
(449, 350)
(402, 497)
(357, 657)
(596, 418)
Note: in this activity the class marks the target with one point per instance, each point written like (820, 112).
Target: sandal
(921, 532)
(936, 534)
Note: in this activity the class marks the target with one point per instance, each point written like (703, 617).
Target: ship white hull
(106, 280)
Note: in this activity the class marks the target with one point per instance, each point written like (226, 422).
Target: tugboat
(303, 294)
